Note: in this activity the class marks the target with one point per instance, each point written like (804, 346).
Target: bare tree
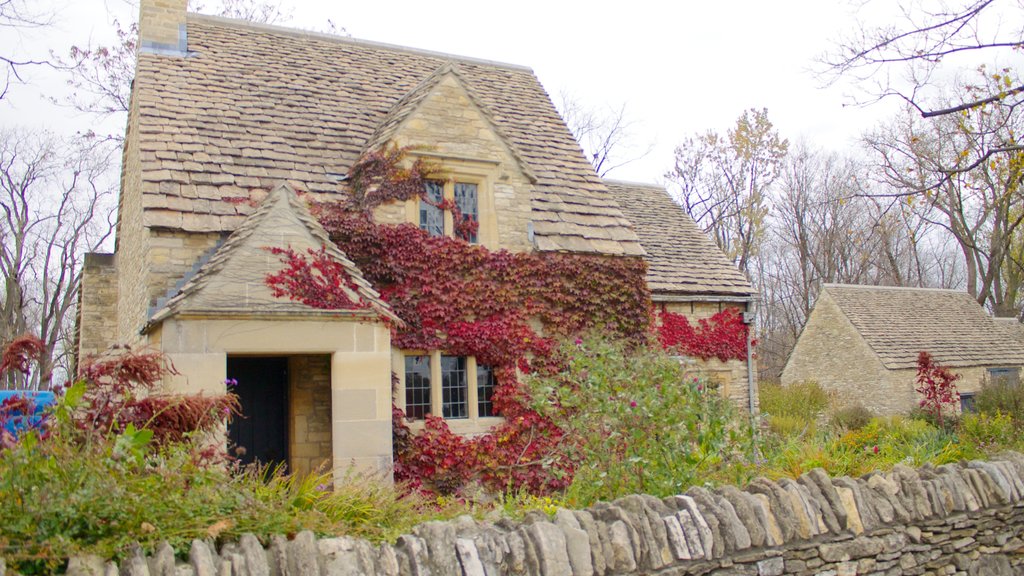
(16, 16)
(56, 204)
(902, 57)
(955, 171)
(723, 182)
(603, 135)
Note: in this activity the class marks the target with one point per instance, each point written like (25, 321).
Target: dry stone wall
(962, 519)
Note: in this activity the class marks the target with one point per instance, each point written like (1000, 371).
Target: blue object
(17, 421)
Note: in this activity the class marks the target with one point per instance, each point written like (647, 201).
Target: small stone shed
(862, 343)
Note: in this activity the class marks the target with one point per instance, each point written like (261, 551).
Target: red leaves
(937, 386)
(21, 353)
(723, 336)
(318, 281)
(119, 392)
(377, 178)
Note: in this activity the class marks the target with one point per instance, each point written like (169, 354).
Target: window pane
(967, 402)
(454, 391)
(431, 217)
(417, 386)
(465, 199)
(485, 384)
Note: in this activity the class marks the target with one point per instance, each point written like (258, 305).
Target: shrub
(635, 422)
(850, 418)
(937, 386)
(1001, 397)
(988, 432)
(794, 409)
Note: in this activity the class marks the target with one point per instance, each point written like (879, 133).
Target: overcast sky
(680, 67)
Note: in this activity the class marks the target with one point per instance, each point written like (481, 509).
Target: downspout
(748, 318)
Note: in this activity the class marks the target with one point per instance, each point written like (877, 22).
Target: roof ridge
(299, 32)
(879, 287)
(617, 182)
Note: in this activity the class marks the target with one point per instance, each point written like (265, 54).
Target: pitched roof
(899, 323)
(232, 280)
(253, 105)
(681, 259)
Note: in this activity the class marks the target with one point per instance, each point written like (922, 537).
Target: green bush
(850, 418)
(1001, 397)
(988, 432)
(61, 496)
(794, 409)
(634, 421)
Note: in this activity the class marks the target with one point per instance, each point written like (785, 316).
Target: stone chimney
(162, 27)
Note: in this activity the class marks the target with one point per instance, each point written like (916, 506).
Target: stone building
(862, 343)
(230, 120)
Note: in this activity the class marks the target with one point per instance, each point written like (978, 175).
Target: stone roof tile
(681, 259)
(253, 105)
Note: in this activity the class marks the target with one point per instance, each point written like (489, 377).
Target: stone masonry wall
(97, 310)
(310, 413)
(132, 238)
(454, 133)
(962, 520)
(832, 353)
(730, 375)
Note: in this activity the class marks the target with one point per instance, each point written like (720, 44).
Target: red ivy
(318, 280)
(723, 336)
(467, 300)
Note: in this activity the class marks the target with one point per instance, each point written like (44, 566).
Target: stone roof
(681, 259)
(898, 323)
(254, 105)
(232, 280)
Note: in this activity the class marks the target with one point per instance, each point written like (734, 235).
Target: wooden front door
(260, 434)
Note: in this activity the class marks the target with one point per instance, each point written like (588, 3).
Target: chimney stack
(162, 27)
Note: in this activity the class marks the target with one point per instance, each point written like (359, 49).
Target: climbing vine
(506, 309)
(722, 336)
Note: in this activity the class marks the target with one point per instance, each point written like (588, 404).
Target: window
(432, 217)
(454, 391)
(434, 221)
(485, 385)
(454, 387)
(967, 402)
(417, 386)
(465, 200)
(1004, 376)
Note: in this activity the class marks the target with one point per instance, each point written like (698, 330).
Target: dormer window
(465, 197)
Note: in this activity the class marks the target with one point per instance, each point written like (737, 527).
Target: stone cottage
(230, 121)
(862, 343)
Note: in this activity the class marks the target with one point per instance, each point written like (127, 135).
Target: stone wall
(963, 519)
(97, 307)
(832, 353)
(309, 415)
(132, 238)
(731, 375)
